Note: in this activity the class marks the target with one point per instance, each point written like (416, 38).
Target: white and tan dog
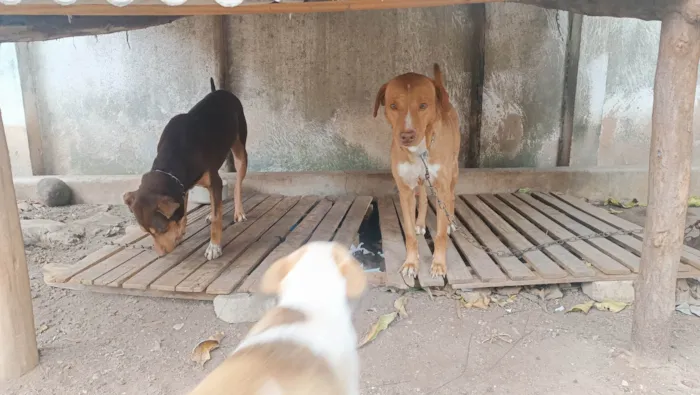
(307, 343)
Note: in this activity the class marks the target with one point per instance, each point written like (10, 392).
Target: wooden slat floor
(276, 226)
(519, 221)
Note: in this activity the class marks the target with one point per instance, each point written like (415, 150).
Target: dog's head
(318, 269)
(412, 103)
(157, 214)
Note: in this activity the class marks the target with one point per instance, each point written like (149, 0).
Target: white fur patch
(316, 287)
(411, 172)
(408, 122)
(420, 148)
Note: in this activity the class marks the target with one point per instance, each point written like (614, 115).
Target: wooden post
(18, 352)
(669, 178)
(31, 112)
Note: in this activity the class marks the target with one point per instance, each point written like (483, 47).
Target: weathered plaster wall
(523, 85)
(13, 111)
(308, 81)
(614, 98)
(104, 100)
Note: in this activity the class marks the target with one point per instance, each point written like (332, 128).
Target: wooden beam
(22, 28)
(221, 48)
(31, 109)
(473, 142)
(573, 50)
(206, 7)
(669, 178)
(641, 9)
(18, 351)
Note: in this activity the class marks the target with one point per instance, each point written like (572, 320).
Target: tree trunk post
(18, 351)
(669, 179)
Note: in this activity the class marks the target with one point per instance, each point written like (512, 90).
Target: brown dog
(423, 123)
(191, 150)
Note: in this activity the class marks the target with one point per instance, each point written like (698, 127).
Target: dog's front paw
(438, 269)
(420, 230)
(410, 269)
(239, 216)
(213, 251)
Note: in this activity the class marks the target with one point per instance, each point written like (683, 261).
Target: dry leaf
(475, 299)
(613, 211)
(612, 306)
(694, 201)
(43, 328)
(201, 353)
(527, 191)
(400, 306)
(623, 204)
(583, 308)
(382, 323)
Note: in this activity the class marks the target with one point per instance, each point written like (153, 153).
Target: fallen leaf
(382, 323)
(609, 305)
(202, 352)
(612, 202)
(525, 190)
(684, 308)
(613, 211)
(694, 201)
(43, 328)
(400, 306)
(179, 326)
(583, 308)
(623, 204)
(475, 299)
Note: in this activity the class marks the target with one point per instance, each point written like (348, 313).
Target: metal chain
(514, 252)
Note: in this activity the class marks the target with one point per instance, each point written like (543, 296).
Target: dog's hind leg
(240, 159)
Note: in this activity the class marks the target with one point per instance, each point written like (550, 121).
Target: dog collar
(174, 178)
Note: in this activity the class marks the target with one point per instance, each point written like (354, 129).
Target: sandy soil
(109, 344)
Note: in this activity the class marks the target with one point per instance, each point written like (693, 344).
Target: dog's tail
(213, 87)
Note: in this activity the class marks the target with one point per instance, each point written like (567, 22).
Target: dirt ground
(109, 344)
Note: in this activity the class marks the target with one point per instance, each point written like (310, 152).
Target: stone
(68, 235)
(33, 230)
(24, 206)
(238, 308)
(54, 192)
(509, 291)
(552, 292)
(618, 291)
(102, 219)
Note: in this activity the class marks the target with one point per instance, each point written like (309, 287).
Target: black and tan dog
(191, 150)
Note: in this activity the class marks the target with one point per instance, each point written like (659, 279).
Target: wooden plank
(544, 266)
(205, 274)
(392, 243)
(246, 266)
(592, 255)
(688, 255)
(557, 253)
(255, 207)
(292, 218)
(512, 266)
(327, 228)
(351, 224)
(457, 271)
(618, 253)
(194, 224)
(425, 256)
(87, 276)
(126, 270)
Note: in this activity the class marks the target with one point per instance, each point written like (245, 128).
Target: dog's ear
(273, 277)
(379, 101)
(351, 269)
(129, 198)
(167, 205)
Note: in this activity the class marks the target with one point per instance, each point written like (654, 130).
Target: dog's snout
(408, 137)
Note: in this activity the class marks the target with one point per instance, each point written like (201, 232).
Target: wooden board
(392, 243)
(278, 225)
(425, 256)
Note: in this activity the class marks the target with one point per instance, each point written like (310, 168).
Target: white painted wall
(13, 111)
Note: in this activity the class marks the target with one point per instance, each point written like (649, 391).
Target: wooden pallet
(520, 221)
(276, 226)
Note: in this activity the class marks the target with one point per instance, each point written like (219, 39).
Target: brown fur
(432, 115)
(278, 316)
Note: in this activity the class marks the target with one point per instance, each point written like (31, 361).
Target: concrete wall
(308, 81)
(523, 85)
(13, 111)
(104, 100)
(614, 97)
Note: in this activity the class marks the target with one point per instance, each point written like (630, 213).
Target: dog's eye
(423, 106)
(393, 106)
